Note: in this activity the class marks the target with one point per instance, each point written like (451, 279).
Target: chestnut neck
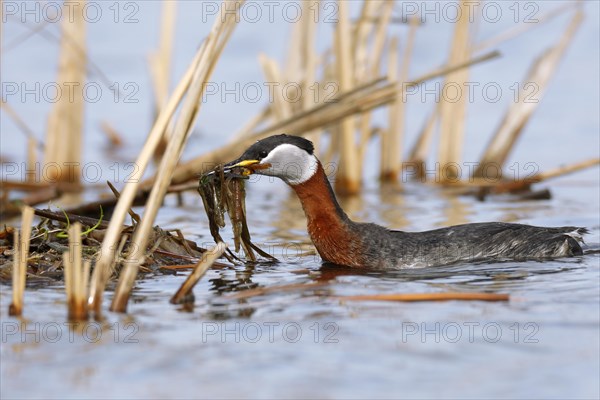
(318, 199)
(328, 225)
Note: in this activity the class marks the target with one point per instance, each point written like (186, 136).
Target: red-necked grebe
(342, 241)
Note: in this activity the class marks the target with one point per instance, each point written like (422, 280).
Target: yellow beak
(246, 163)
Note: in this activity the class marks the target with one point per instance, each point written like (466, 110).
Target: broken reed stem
(567, 169)
(367, 98)
(208, 258)
(520, 112)
(20, 257)
(16, 307)
(215, 42)
(412, 297)
(106, 257)
(76, 274)
(502, 186)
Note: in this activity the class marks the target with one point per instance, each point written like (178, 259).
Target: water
(543, 343)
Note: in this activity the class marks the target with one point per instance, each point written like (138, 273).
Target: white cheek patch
(290, 163)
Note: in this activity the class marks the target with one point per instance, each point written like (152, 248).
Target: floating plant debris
(48, 241)
(223, 191)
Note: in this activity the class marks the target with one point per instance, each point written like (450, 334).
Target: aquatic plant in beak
(223, 191)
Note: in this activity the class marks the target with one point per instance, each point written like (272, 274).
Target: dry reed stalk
(76, 273)
(379, 39)
(160, 68)
(452, 111)
(41, 194)
(32, 160)
(252, 124)
(418, 153)
(362, 29)
(215, 42)
(486, 186)
(518, 30)
(160, 60)
(65, 122)
(353, 102)
(132, 214)
(16, 307)
(380, 35)
(21, 124)
(178, 267)
(291, 66)
(348, 177)
(24, 186)
(412, 297)
(566, 169)
(519, 113)
(309, 62)
(245, 294)
(114, 138)
(395, 133)
(208, 258)
(20, 257)
(522, 185)
(281, 108)
(106, 257)
(385, 169)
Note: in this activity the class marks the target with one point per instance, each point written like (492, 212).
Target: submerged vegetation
(98, 250)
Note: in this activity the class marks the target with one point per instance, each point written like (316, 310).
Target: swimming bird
(340, 240)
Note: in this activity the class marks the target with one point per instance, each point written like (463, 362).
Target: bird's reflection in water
(493, 275)
(330, 272)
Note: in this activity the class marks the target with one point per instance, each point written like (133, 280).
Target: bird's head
(287, 157)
